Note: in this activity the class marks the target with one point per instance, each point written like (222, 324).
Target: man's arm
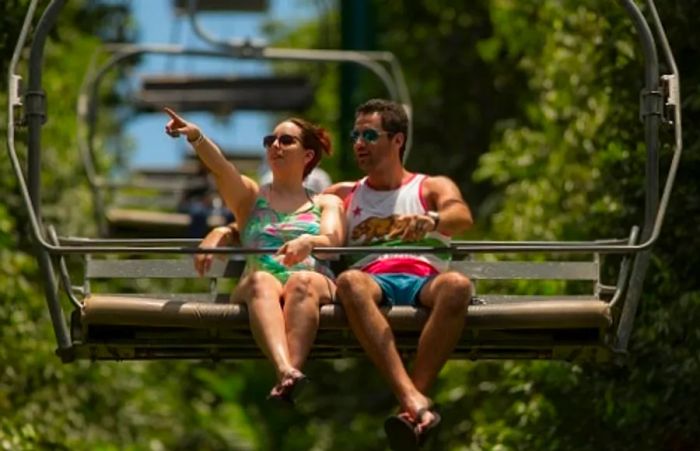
(340, 189)
(443, 196)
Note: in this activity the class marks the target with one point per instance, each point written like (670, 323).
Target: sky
(157, 24)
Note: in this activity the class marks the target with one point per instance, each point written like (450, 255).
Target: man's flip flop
(401, 433)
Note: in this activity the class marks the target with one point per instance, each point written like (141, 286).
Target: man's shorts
(400, 289)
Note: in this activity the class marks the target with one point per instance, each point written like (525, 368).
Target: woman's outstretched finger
(173, 115)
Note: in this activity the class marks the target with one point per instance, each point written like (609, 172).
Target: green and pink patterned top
(267, 227)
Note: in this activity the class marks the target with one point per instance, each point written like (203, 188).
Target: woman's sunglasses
(284, 140)
(368, 135)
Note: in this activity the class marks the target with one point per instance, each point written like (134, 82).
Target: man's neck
(388, 180)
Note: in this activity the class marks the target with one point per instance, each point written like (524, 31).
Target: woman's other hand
(296, 250)
(218, 237)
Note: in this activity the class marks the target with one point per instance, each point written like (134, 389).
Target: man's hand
(411, 227)
(417, 226)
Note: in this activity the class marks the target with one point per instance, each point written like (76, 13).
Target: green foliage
(576, 151)
(551, 165)
(460, 83)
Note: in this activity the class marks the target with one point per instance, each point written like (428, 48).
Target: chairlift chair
(593, 325)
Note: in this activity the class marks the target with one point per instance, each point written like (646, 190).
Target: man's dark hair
(393, 114)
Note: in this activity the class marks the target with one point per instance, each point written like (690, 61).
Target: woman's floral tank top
(267, 227)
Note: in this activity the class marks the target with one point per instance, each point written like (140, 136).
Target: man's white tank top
(373, 218)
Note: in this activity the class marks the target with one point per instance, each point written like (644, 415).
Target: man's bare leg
(447, 295)
(360, 294)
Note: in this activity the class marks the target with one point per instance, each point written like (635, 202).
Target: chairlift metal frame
(660, 99)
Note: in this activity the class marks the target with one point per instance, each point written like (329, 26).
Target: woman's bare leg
(304, 293)
(261, 292)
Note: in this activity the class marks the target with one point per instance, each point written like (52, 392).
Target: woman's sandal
(288, 393)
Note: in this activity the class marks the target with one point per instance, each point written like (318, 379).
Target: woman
(284, 291)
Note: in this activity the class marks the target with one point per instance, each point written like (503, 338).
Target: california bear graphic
(380, 229)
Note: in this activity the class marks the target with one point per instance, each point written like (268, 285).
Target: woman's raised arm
(237, 191)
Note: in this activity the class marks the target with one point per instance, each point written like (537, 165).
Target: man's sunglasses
(368, 135)
(284, 140)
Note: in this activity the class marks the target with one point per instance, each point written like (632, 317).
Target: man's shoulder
(436, 182)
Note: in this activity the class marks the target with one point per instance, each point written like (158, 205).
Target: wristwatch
(435, 216)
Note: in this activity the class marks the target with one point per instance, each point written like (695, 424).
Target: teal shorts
(399, 288)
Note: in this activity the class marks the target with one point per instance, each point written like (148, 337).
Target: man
(392, 206)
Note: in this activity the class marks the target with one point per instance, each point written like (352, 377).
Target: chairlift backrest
(225, 94)
(182, 6)
(568, 327)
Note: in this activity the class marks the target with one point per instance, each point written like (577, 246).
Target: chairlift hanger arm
(35, 117)
(651, 123)
(395, 82)
(248, 49)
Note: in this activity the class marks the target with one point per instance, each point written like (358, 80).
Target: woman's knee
(299, 287)
(309, 287)
(260, 285)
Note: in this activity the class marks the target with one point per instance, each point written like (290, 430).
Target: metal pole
(35, 117)
(652, 118)
(354, 36)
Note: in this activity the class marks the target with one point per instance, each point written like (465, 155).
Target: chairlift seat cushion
(163, 312)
